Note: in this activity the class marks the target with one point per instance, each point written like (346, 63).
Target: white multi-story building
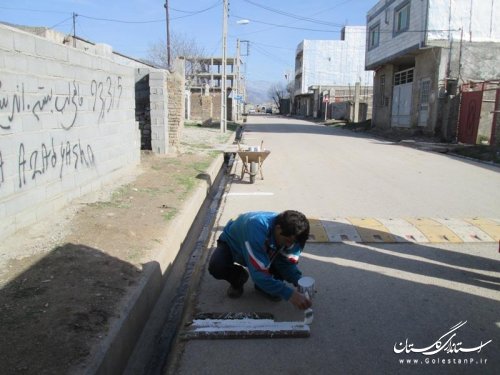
(422, 51)
(332, 62)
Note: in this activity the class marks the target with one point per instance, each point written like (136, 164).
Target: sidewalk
(77, 288)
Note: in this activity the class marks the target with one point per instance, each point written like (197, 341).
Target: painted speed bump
(317, 232)
(340, 230)
(466, 231)
(489, 226)
(403, 231)
(372, 230)
(409, 230)
(434, 230)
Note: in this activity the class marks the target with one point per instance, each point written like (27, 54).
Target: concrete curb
(111, 355)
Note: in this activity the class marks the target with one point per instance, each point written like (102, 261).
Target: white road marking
(255, 193)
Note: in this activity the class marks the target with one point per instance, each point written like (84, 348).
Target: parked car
(269, 110)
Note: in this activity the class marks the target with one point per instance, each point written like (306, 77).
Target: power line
(291, 15)
(319, 12)
(60, 23)
(269, 45)
(117, 20)
(285, 26)
(193, 12)
(270, 55)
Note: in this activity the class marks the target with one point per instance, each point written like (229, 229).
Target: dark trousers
(222, 266)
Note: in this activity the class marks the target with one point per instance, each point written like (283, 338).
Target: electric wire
(319, 12)
(60, 23)
(291, 15)
(219, 2)
(271, 56)
(284, 26)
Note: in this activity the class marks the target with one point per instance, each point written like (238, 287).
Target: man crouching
(269, 245)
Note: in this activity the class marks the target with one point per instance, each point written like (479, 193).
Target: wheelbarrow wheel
(253, 171)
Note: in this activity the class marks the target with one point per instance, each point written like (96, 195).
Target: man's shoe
(267, 295)
(234, 292)
(243, 278)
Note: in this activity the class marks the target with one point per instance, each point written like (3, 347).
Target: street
(385, 307)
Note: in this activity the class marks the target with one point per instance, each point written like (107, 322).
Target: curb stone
(111, 354)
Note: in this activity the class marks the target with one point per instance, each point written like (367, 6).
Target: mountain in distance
(257, 92)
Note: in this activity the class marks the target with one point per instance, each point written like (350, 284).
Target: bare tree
(277, 92)
(181, 46)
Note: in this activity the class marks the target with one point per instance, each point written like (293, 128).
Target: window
(402, 18)
(425, 90)
(405, 76)
(374, 36)
(381, 92)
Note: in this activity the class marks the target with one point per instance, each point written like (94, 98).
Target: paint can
(306, 285)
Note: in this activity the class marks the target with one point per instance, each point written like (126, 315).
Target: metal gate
(470, 113)
(401, 98)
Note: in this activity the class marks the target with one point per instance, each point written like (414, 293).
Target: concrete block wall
(196, 106)
(159, 111)
(202, 107)
(216, 106)
(142, 106)
(206, 108)
(67, 126)
(175, 108)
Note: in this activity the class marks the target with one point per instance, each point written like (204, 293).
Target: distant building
(330, 64)
(204, 77)
(422, 51)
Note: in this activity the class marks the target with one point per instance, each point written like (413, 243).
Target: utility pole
(237, 80)
(167, 18)
(74, 29)
(223, 90)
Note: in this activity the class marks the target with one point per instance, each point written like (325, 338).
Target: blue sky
(131, 26)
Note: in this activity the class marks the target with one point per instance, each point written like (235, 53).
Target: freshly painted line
(491, 227)
(371, 230)
(255, 193)
(403, 231)
(340, 230)
(466, 231)
(317, 231)
(434, 230)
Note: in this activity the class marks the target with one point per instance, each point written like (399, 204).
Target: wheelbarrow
(252, 159)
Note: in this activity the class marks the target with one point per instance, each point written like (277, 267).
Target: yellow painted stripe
(490, 227)
(371, 230)
(435, 231)
(317, 232)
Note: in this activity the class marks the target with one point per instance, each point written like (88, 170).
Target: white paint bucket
(306, 286)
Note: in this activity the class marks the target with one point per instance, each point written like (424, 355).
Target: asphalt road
(377, 305)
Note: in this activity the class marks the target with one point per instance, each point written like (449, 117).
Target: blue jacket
(251, 239)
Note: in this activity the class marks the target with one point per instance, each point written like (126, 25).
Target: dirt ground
(63, 280)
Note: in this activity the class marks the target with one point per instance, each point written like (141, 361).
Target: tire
(253, 171)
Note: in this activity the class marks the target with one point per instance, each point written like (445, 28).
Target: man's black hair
(294, 223)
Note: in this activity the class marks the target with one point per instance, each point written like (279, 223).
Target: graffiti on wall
(40, 161)
(103, 96)
(2, 178)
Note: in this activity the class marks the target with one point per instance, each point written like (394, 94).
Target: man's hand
(300, 301)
